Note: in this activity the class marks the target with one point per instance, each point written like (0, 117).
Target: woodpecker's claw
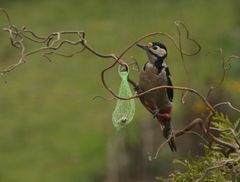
(156, 113)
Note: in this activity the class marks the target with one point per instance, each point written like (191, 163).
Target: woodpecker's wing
(169, 82)
(147, 105)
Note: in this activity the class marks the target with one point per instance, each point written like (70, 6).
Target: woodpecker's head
(156, 51)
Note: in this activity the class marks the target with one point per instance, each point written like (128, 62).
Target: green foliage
(226, 126)
(214, 165)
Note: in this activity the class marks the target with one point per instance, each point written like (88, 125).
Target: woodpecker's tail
(165, 121)
(167, 132)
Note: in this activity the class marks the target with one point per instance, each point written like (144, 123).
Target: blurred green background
(50, 127)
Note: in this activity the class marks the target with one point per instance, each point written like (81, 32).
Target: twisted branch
(226, 65)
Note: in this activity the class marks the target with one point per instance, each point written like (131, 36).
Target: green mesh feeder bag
(125, 109)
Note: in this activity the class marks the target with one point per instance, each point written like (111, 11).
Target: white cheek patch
(160, 52)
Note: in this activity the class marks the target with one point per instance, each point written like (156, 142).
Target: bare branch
(186, 130)
(226, 65)
(159, 149)
(226, 103)
(6, 15)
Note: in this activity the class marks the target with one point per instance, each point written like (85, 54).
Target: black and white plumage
(156, 73)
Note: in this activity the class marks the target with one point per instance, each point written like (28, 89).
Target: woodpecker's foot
(137, 89)
(157, 113)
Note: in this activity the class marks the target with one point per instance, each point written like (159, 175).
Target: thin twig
(226, 65)
(226, 103)
(159, 149)
(6, 15)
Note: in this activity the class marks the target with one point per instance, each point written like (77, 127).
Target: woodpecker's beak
(145, 47)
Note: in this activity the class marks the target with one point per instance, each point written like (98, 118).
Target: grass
(50, 128)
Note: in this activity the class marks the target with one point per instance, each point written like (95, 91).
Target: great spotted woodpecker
(156, 73)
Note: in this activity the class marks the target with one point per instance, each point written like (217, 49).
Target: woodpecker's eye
(155, 47)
